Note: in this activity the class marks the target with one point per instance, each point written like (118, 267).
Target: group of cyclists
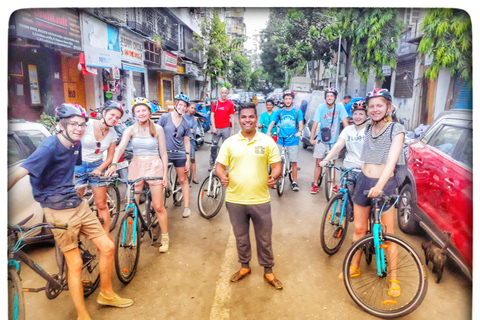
(80, 144)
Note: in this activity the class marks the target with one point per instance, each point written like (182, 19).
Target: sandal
(354, 272)
(394, 288)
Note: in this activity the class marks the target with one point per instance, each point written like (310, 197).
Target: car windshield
(31, 139)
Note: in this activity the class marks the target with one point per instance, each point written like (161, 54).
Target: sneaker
(295, 186)
(186, 212)
(314, 189)
(115, 301)
(164, 247)
(211, 168)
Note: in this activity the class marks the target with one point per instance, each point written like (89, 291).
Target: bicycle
(338, 212)
(286, 167)
(133, 227)
(18, 237)
(113, 197)
(174, 188)
(327, 175)
(400, 261)
(211, 195)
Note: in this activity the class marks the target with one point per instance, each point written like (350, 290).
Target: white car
(260, 98)
(23, 139)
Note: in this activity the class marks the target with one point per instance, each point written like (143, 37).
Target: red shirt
(222, 111)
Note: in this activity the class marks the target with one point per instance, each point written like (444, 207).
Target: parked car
(236, 99)
(438, 188)
(260, 98)
(23, 139)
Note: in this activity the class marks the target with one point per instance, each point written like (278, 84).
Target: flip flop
(356, 273)
(397, 287)
(239, 276)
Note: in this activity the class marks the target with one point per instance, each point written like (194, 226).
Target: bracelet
(113, 164)
(187, 152)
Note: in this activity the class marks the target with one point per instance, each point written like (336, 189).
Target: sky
(255, 19)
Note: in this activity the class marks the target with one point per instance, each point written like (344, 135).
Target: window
(465, 155)
(14, 153)
(404, 78)
(31, 139)
(446, 139)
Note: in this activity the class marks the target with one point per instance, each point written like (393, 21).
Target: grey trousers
(223, 133)
(261, 217)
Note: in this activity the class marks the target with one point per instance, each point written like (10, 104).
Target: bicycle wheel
(150, 212)
(369, 291)
(90, 275)
(16, 302)
(127, 254)
(281, 179)
(329, 183)
(177, 194)
(210, 200)
(114, 203)
(332, 233)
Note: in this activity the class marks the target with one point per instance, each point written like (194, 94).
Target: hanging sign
(131, 47)
(34, 88)
(169, 61)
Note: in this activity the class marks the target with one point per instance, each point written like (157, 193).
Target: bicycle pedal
(338, 233)
(177, 204)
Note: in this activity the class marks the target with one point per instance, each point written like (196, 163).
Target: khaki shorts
(80, 220)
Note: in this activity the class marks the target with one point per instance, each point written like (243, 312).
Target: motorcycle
(200, 132)
(204, 113)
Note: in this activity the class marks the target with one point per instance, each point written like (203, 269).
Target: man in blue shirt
(291, 126)
(51, 170)
(329, 115)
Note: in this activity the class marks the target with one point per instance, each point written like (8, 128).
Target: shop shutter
(404, 78)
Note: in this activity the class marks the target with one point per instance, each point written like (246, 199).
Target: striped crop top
(375, 149)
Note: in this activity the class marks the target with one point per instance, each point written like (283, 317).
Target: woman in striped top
(381, 152)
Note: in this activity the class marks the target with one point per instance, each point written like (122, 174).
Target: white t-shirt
(89, 143)
(354, 143)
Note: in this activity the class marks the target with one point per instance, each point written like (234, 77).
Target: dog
(436, 255)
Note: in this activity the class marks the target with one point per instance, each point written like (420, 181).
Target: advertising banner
(101, 43)
(131, 47)
(169, 61)
(191, 69)
(59, 27)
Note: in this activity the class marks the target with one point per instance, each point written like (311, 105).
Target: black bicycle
(133, 226)
(18, 238)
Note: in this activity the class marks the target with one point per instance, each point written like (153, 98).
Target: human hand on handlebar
(374, 192)
(110, 171)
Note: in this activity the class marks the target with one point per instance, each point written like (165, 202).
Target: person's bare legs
(183, 180)
(317, 171)
(75, 286)
(107, 250)
(159, 207)
(100, 198)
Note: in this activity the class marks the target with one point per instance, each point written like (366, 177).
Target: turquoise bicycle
(395, 261)
(338, 212)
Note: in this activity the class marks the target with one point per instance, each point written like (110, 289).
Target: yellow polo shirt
(247, 162)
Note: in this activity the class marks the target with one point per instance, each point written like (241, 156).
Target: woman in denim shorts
(100, 136)
(381, 152)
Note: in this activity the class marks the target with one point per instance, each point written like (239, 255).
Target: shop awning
(131, 67)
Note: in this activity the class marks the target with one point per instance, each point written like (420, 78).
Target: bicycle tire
(281, 179)
(333, 235)
(114, 203)
(126, 257)
(290, 172)
(329, 183)
(217, 199)
(154, 226)
(16, 301)
(410, 273)
(178, 195)
(90, 274)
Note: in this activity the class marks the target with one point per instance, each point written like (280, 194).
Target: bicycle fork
(135, 222)
(379, 246)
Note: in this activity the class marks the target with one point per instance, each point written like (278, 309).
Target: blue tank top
(145, 146)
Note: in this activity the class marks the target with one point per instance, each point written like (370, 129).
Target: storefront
(168, 69)
(43, 51)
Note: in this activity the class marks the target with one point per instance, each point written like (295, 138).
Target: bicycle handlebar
(92, 175)
(16, 227)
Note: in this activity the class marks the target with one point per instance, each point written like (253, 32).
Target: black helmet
(67, 110)
(359, 105)
(331, 90)
(110, 104)
(288, 93)
(379, 92)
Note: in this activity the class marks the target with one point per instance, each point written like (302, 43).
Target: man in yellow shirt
(247, 155)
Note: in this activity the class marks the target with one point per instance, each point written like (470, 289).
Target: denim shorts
(365, 183)
(87, 167)
(178, 163)
(192, 148)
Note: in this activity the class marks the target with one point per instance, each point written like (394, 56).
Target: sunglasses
(98, 146)
(175, 134)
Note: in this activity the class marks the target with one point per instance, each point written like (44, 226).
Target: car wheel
(406, 220)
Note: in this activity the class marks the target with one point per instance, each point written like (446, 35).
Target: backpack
(296, 120)
(401, 170)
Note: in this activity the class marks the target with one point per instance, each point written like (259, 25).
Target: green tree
(371, 36)
(447, 37)
(240, 71)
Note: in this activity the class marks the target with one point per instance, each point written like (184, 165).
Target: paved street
(191, 281)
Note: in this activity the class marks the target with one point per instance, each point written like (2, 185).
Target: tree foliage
(240, 71)
(371, 36)
(448, 40)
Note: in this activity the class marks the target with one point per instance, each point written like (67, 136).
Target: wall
(443, 83)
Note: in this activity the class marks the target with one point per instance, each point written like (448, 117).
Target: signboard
(101, 43)
(180, 69)
(387, 70)
(59, 27)
(191, 69)
(34, 88)
(169, 61)
(131, 47)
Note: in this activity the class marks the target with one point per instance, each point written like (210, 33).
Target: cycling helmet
(183, 98)
(331, 90)
(67, 110)
(359, 105)
(140, 100)
(379, 92)
(110, 104)
(288, 93)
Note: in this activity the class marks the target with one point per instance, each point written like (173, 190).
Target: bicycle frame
(343, 190)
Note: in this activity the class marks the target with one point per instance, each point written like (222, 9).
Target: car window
(31, 139)
(14, 152)
(466, 153)
(446, 139)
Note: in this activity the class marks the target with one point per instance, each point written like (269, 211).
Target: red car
(438, 188)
